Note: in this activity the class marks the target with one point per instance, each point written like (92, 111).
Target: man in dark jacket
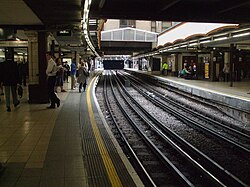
(1, 80)
(10, 79)
(22, 69)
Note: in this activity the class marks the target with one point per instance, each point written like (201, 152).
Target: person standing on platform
(165, 69)
(59, 75)
(86, 65)
(73, 74)
(51, 73)
(82, 78)
(23, 72)
(226, 70)
(66, 71)
(10, 77)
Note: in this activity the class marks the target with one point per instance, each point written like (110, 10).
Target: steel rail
(130, 149)
(170, 88)
(238, 145)
(153, 147)
(212, 178)
(207, 162)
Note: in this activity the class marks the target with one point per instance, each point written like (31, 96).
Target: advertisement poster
(206, 70)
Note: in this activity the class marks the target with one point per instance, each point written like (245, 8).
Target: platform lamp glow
(85, 21)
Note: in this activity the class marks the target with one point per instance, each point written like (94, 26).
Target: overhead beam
(169, 5)
(101, 4)
(233, 7)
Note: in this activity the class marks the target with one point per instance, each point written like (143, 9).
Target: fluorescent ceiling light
(205, 41)
(242, 34)
(222, 38)
(193, 44)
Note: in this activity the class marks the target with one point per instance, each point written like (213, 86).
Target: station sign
(243, 46)
(64, 33)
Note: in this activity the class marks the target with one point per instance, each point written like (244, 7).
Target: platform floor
(59, 147)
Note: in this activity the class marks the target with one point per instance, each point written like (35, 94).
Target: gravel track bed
(174, 156)
(201, 107)
(226, 157)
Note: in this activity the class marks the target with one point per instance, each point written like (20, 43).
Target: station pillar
(156, 65)
(232, 63)
(76, 56)
(213, 66)
(37, 45)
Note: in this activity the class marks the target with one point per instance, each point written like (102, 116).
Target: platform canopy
(186, 30)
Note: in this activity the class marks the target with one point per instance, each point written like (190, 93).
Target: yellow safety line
(112, 174)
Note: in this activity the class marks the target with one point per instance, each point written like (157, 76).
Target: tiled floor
(26, 131)
(29, 147)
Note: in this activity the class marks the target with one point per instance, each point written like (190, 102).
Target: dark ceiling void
(226, 11)
(57, 14)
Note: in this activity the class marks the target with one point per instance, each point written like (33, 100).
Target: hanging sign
(64, 33)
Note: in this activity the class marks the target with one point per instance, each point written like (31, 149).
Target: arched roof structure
(187, 30)
(129, 34)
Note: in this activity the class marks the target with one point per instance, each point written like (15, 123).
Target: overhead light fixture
(193, 44)
(242, 34)
(222, 38)
(85, 21)
(205, 41)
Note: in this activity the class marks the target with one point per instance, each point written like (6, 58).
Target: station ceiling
(54, 15)
(219, 11)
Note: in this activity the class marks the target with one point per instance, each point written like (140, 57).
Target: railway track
(142, 130)
(233, 136)
(216, 106)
